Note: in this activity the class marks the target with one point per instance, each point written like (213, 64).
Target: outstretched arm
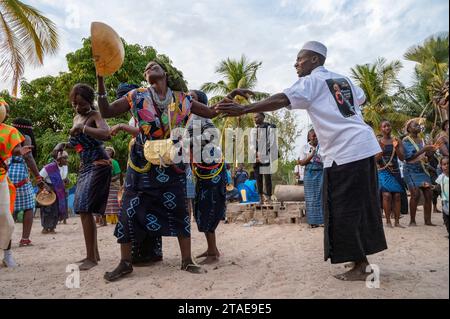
(110, 110)
(273, 103)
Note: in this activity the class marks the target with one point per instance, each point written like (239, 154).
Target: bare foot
(191, 267)
(210, 259)
(389, 224)
(86, 259)
(412, 224)
(429, 224)
(399, 226)
(87, 265)
(206, 254)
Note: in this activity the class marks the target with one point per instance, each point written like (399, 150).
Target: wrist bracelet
(102, 96)
(84, 128)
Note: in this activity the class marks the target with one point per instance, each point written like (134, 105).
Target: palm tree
(431, 75)
(26, 36)
(237, 74)
(381, 85)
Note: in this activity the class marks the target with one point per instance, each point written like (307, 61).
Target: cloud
(197, 35)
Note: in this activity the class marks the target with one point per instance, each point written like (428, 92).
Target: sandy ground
(276, 261)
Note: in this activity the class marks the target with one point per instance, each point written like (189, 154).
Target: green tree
(381, 86)
(288, 132)
(236, 74)
(26, 36)
(45, 100)
(431, 73)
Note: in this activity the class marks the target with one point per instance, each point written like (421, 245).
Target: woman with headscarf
(415, 172)
(311, 158)
(87, 135)
(55, 175)
(19, 175)
(211, 177)
(154, 201)
(389, 178)
(10, 145)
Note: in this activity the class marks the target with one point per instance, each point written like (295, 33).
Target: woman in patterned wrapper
(91, 196)
(149, 250)
(154, 200)
(210, 190)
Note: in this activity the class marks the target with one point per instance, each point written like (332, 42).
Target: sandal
(193, 268)
(124, 268)
(25, 242)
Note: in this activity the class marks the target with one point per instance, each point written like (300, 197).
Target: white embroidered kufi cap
(316, 47)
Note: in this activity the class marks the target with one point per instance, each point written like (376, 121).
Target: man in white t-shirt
(299, 172)
(353, 223)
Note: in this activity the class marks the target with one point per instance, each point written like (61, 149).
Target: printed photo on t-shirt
(342, 94)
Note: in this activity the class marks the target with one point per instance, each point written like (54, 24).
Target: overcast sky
(196, 35)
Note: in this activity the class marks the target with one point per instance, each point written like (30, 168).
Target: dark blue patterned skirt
(153, 204)
(210, 201)
(91, 194)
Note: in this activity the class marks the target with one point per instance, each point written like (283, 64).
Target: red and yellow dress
(9, 139)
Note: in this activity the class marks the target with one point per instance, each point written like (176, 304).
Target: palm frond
(29, 33)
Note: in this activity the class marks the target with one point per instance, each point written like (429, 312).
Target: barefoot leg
(415, 195)
(89, 227)
(97, 254)
(212, 254)
(186, 258)
(397, 209)
(27, 223)
(428, 194)
(387, 206)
